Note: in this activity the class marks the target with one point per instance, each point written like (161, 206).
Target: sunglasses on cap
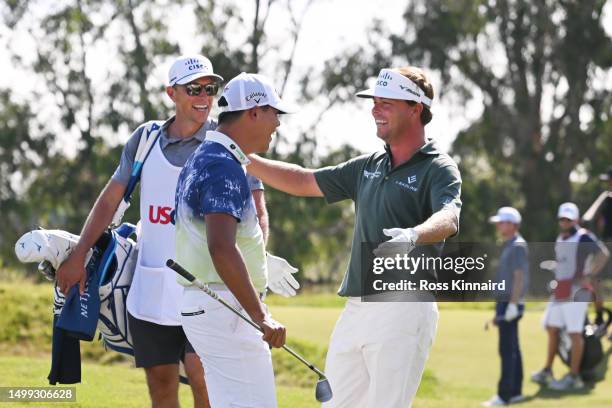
(195, 89)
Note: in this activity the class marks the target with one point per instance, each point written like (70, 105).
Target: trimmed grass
(462, 370)
(113, 386)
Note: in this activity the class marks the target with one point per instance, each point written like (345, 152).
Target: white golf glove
(512, 312)
(549, 265)
(280, 278)
(403, 241)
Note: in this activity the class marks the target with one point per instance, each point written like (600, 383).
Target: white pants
(568, 315)
(237, 362)
(377, 353)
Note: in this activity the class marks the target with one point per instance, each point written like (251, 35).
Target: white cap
(393, 85)
(506, 214)
(187, 68)
(247, 91)
(569, 211)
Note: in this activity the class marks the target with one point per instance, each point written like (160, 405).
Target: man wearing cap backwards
(154, 321)
(409, 192)
(219, 241)
(579, 256)
(513, 268)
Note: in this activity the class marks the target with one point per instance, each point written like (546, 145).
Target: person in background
(513, 269)
(579, 256)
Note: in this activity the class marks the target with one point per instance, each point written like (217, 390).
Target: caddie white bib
(154, 294)
(566, 252)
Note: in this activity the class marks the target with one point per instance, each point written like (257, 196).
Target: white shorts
(568, 315)
(237, 362)
(377, 353)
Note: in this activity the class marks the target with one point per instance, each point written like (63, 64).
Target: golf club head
(323, 392)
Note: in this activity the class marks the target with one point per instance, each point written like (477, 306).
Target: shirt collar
(430, 147)
(199, 135)
(514, 238)
(229, 144)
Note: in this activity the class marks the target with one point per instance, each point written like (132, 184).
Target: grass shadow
(598, 374)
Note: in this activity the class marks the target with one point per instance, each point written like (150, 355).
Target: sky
(343, 124)
(349, 124)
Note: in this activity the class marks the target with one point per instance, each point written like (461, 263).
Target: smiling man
(409, 192)
(154, 320)
(220, 241)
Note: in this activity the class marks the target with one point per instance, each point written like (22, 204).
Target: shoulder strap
(148, 138)
(150, 135)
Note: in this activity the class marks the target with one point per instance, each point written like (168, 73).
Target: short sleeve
(341, 182)
(224, 190)
(254, 183)
(446, 189)
(124, 169)
(518, 258)
(587, 245)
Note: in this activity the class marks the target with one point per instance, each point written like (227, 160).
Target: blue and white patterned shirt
(214, 180)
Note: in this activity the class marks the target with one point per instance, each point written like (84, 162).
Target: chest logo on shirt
(371, 175)
(161, 215)
(408, 184)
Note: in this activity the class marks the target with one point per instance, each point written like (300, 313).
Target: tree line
(539, 68)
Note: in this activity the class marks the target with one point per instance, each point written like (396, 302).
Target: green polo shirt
(402, 197)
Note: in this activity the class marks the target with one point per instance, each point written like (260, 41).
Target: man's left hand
(280, 278)
(403, 241)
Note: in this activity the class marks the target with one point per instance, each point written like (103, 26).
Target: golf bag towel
(109, 274)
(79, 315)
(65, 357)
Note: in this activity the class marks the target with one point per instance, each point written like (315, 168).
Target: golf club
(323, 391)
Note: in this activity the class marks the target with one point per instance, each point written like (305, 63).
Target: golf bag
(593, 350)
(113, 258)
(117, 260)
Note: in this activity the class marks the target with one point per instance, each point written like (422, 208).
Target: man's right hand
(274, 333)
(72, 271)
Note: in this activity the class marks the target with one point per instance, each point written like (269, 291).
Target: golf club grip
(170, 263)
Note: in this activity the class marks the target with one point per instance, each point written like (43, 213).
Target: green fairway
(466, 366)
(112, 386)
(462, 370)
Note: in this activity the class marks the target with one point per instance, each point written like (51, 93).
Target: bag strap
(149, 136)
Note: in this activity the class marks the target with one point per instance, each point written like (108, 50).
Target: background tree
(540, 68)
(553, 54)
(72, 140)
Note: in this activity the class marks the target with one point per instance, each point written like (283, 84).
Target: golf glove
(280, 278)
(403, 241)
(512, 312)
(549, 265)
